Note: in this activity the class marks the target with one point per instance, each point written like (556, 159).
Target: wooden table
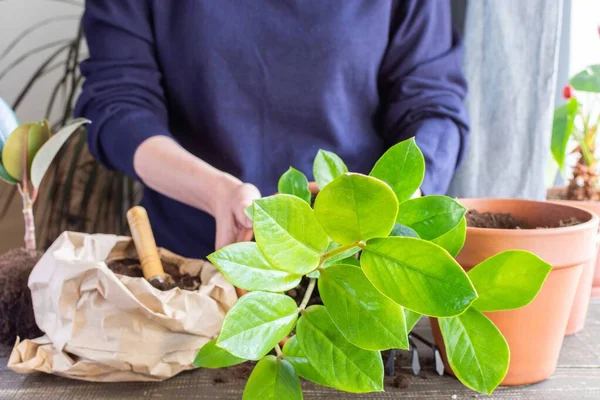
(577, 377)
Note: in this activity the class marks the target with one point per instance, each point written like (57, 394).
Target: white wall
(585, 38)
(15, 17)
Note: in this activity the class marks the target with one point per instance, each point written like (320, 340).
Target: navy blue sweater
(252, 87)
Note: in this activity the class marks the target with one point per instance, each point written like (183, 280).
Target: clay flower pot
(593, 206)
(535, 332)
(589, 283)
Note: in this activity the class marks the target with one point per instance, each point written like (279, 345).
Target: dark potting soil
(476, 219)
(16, 310)
(132, 268)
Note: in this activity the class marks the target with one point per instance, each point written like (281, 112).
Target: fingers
(226, 233)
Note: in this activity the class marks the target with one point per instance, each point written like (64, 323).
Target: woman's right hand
(233, 197)
(163, 165)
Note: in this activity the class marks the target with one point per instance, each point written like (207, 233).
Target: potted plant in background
(25, 155)
(575, 131)
(380, 260)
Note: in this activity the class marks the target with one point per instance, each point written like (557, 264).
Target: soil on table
(132, 268)
(476, 219)
(16, 309)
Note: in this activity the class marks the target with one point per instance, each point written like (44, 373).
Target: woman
(209, 102)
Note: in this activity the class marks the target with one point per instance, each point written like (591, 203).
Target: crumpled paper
(105, 327)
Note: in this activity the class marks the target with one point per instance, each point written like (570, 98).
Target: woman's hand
(233, 225)
(163, 165)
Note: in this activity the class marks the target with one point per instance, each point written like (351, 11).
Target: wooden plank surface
(577, 377)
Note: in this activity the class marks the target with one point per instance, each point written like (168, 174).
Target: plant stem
(309, 290)
(341, 249)
(29, 221)
(278, 350)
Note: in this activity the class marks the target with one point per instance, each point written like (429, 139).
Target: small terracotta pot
(593, 206)
(590, 278)
(535, 332)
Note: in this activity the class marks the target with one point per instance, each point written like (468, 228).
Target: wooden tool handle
(139, 224)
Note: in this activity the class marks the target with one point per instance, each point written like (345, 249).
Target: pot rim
(591, 224)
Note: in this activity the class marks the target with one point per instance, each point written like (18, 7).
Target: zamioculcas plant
(26, 153)
(576, 121)
(380, 260)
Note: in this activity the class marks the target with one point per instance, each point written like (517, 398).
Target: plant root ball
(16, 309)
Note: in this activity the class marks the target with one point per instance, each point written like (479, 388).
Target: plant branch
(309, 290)
(340, 250)
(278, 351)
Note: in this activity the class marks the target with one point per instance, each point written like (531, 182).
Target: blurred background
(518, 56)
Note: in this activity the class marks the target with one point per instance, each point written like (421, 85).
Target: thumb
(248, 193)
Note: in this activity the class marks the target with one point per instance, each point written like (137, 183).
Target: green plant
(578, 120)
(26, 155)
(380, 260)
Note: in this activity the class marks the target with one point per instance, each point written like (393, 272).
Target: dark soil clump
(16, 309)
(476, 219)
(132, 268)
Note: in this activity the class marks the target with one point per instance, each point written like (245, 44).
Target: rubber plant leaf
(287, 233)
(295, 183)
(343, 365)
(25, 141)
(508, 280)
(45, 155)
(326, 167)
(245, 267)
(418, 275)
(273, 379)
(477, 352)
(212, 356)
(356, 207)
(402, 167)
(256, 323)
(365, 317)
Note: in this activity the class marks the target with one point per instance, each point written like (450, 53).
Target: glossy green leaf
(340, 256)
(48, 151)
(402, 167)
(273, 379)
(326, 167)
(508, 280)
(562, 127)
(403, 230)
(212, 356)
(245, 267)
(365, 317)
(343, 365)
(477, 351)
(587, 80)
(348, 261)
(293, 353)
(411, 318)
(418, 275)
(256, 323)
(356, 207)
(288, 234)
(431, 216)
(295, 183)
(5, 176)
(453, 240)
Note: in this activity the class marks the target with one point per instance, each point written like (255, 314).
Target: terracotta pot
(593, 206)
(590, 278)
(535, 332)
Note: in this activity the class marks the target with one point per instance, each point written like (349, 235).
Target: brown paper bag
(105, 327)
